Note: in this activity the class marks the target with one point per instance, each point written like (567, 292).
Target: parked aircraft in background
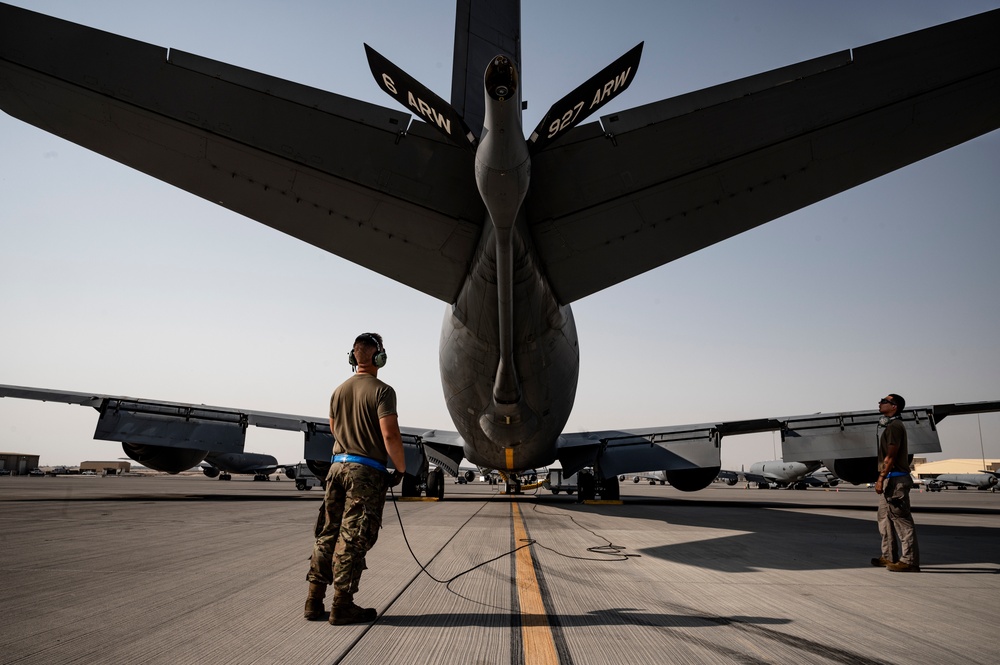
(224, 465)
(822, 477)
(776, 473)
(507, 227)
(651, 477)
(779, 474)
(984, 480)
(303, 476)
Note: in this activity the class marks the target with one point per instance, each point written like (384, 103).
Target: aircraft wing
(335, 172)
(654, 183)
(672, 448)
(217, 429)
(214, 429)
(759, 477)
(806, 438)
(729, 477)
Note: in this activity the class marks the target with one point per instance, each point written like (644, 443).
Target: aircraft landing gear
(512, 486)
(435, 483)
(431, 482)
(410, 487)
(592, 485)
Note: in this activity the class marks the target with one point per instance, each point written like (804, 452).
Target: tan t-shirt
(356, 407)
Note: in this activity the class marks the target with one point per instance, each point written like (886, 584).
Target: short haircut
(900, 402)
(371, 341)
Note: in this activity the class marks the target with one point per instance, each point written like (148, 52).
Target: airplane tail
(419, 100)
(578, 105)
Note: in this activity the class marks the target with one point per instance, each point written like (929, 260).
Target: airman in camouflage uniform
(348, 526)
(366, 434)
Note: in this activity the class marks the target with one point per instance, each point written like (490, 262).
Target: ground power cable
(609, 550)
(423, 569)
(527, 543)
(605, 550)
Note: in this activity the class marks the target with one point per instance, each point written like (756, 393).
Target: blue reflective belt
(896, 474)
(359, 459)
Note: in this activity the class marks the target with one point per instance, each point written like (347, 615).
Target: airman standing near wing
(366, 432)
(893, 488)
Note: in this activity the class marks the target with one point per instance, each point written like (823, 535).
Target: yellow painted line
(416, 498)
(536, 632)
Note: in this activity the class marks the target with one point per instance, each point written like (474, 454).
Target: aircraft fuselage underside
(509, 352)
(520, 434)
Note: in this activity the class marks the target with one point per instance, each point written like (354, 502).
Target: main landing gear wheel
(591, 486)
(410, 487)
(611, 491)
(435, 483)
(585, 481)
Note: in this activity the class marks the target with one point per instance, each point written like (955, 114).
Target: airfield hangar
(110, 468)
(18, 463)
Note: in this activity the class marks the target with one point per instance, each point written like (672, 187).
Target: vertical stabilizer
(483, 29)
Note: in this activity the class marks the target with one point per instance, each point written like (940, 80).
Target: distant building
(931, 469)
(106, 468)
(18, 464)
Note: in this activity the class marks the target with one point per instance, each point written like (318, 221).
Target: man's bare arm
(887, 463)
(393, 441)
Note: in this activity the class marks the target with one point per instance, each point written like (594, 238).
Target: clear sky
(114, 282)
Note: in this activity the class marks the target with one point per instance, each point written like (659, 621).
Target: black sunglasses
(886, 401)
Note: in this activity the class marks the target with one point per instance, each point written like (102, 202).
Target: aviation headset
(900, 404)
(379, 359)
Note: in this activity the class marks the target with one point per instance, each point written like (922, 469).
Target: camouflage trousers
(895, 521)
(348, 526)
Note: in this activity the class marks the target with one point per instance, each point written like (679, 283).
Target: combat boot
(314, 602)
(344, 611)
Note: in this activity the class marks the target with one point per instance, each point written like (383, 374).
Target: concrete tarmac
(193, 570)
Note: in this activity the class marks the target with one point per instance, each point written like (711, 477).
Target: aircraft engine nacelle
(692, 480)
(210, 471)
(164, 458)
(730, 481)
(855, 470)
(319, 468)
(469, 476)
(290, 472)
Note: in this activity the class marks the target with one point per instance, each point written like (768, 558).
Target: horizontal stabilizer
(651, 184)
